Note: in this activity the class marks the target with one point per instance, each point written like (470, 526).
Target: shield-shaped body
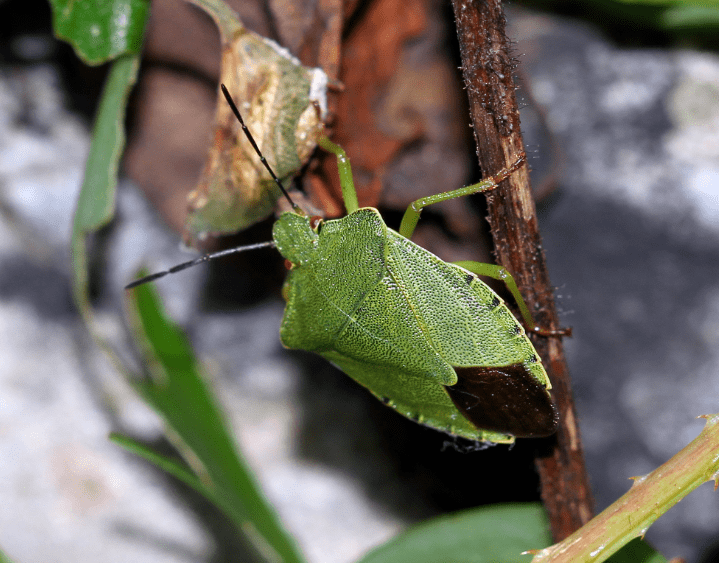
(427, 337)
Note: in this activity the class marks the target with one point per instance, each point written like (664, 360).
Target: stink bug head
(427, 337)
(294, 236)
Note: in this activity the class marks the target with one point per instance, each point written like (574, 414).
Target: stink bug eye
(427, 337)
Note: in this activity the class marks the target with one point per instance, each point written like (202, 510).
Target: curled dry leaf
(283, 104)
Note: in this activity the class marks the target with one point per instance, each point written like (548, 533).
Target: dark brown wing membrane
(505, 399)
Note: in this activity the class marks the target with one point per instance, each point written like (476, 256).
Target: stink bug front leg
(345, 172)
(411, 216)
(500, 273)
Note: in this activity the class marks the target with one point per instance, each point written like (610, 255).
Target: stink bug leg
(500, 273)
(411, 217)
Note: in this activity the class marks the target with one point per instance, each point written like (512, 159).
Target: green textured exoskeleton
(428, 338)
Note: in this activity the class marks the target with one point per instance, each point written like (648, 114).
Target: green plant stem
(650, 497)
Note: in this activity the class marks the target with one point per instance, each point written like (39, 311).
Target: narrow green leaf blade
(177, 391)
(168, 465)
(494, 534)
(685, 17)
(101, 30)
(96, 203)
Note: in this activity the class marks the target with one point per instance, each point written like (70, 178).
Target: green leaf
(179, 472)
(101, 30)
(679, 17)
(96, 203)
(637, 551)
(494, 534)
(4, 558)
(177, 391)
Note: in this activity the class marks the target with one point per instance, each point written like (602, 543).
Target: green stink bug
(426, 337)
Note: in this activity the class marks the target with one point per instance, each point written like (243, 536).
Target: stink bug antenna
(250, 138)
(221, 253)
(200, 260)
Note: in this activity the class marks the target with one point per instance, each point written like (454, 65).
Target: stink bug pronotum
(427, 337)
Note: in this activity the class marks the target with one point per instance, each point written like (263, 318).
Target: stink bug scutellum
(427, 337)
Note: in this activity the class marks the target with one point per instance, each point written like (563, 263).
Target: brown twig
(488, 76)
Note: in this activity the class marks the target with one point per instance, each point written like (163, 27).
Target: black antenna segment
(230, 101)
(200, 260)
(221, 253)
